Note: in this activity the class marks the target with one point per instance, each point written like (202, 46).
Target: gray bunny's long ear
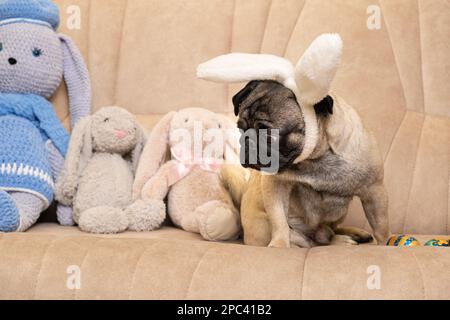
(77, 80)
(77, 158)
(137, 151)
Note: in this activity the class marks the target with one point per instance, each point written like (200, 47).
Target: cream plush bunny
(182, 160)
(98, 175)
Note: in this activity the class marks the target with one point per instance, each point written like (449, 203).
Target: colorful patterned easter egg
(438, 243)
(403, 241)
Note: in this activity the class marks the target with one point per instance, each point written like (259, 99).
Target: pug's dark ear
(242, 95)
(324, 107)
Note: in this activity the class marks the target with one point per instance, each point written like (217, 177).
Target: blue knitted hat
(43, 12)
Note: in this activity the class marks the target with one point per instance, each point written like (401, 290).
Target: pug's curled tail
(235, 179)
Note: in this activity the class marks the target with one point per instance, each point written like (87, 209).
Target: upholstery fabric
(142, 55)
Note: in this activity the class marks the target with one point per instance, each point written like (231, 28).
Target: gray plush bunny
(33, 61)
(98, 175)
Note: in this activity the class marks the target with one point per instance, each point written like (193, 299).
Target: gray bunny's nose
(12, 61)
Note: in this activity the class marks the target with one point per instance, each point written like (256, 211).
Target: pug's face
(272, 124)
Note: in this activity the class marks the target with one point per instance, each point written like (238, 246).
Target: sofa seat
(174, 264)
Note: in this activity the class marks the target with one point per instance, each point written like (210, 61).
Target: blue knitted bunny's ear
(77, 80)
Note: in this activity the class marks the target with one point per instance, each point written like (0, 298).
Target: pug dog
(309, 152)
(314, 194)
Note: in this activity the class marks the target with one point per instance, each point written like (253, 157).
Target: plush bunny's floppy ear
(77, 80)
(137, 151)
(231, 136)
(77, 158)
(310, 80)
(154, 154)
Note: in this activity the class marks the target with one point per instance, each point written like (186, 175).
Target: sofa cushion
(173, 264)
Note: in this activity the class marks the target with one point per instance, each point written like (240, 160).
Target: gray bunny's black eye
(1, 46)
(37, 52)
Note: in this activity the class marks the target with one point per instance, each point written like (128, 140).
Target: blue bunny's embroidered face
(31, 59)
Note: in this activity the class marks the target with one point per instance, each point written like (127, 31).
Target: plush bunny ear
(78, 155)
(137, 151)
(231, 136)
(154, 154)
(77, 80)
(317, 67)
(240, 67)
(80, 147)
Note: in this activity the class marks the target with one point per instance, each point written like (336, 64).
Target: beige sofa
(142, 55)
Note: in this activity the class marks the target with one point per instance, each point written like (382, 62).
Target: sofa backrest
(142, 55)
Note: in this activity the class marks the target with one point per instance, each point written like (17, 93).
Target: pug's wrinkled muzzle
(259, 153)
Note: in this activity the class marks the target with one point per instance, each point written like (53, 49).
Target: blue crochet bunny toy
(33, 142)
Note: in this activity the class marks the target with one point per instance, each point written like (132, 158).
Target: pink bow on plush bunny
(186, 161)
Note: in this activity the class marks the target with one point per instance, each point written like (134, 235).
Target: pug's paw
(279, 243)
(343, 240)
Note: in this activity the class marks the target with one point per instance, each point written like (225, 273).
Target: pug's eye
(106, 120)
(37, 52)
(302, 130)
(220, 126)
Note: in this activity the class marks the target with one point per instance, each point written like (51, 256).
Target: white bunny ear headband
(310, 79)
